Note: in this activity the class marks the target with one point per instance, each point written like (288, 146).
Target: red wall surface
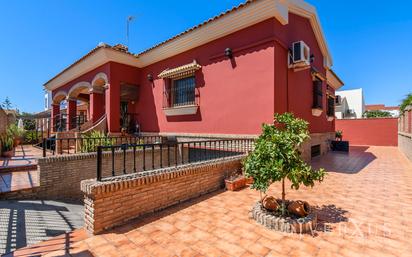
(379, 132)
(235, 95)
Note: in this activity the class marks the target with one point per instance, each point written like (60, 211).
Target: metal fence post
(44, 147)
(99, 163)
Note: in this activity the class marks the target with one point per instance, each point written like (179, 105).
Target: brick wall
(60, 176)
(3, 121)
(113, 202)
(405, 144)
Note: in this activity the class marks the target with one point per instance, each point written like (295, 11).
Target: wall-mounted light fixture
(229, 53)
(150, 77)
(312, 58)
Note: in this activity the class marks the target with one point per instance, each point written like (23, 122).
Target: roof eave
(89, 62)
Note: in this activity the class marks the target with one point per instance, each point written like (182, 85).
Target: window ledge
(317, 111)
(181, 110)
(331, 118)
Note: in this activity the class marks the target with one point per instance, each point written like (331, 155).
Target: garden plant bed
(292, 224)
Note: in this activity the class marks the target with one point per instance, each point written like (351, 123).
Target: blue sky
(369, 41)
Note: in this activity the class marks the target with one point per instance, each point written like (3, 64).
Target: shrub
(31, 137)
(276, 156)
(406, 102)
(93, 139)
(6, 142)
(14, 131)
(377, 114)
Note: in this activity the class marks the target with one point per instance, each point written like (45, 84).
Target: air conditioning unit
(300, 55)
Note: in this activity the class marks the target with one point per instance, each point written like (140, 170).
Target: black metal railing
(74, 145)
(60, 122)
(122, 159)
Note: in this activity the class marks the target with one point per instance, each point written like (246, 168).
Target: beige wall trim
(181, 70)
(199, 135)
(333, 80)
(99, 57)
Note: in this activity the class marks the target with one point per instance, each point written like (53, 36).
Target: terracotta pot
(270, 203)
(235, 184)
(16, 141)
(249, 181)
(8, 154)
(299, 208)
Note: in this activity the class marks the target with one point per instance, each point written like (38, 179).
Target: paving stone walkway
(25, 223)
(364, 208)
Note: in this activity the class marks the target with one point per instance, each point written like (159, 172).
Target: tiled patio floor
(20, 171)
(364, 207)
(17, 180)
(24, 155)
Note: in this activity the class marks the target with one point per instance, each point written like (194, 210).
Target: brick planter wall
(113, 202)
(60, 176)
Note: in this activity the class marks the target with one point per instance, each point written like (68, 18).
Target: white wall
(355, 101)
(47, 100)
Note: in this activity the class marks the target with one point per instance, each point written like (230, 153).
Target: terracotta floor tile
(364, 207)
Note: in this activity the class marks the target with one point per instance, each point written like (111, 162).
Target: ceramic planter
(16, 141)
(249, 181)
(299, 208)
(7, 154)
(342, 146)
(235, 183)
(270, 203)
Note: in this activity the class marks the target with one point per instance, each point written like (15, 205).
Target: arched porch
(81, 103)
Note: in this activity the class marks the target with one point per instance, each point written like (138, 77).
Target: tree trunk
(283, 198)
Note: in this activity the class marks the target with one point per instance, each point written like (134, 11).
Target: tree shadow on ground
(327, 215)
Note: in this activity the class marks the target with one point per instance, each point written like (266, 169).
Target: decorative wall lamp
(229, 53)
(312, 58)
(150, 77)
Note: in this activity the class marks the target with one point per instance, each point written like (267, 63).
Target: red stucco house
(224, 77)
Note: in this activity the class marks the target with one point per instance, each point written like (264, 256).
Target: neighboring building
(224, 77)
(350, 104)
(393, 110)
(47, 100)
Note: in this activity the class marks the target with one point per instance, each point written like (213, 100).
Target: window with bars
(183, 91)
(317, 93)
(331, 106)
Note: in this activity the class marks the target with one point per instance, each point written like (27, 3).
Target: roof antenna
(128, 20)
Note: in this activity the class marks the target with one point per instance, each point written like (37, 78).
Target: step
(15, 168)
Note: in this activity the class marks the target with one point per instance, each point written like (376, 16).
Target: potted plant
(338, 144)
(276, 157)
(124, 131)
(235, 181)
(16, 133)
(7, 146)
(338, 135)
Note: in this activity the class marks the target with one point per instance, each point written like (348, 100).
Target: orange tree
(276, 156)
